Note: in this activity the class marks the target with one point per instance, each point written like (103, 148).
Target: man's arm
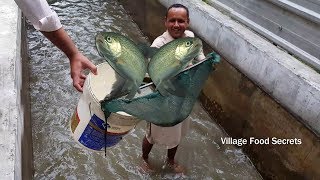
(78, 61)
(47, 21)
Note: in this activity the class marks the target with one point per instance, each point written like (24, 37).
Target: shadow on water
(53, 101)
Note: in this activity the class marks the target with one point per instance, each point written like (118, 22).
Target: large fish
(125, 58)
(171, 59)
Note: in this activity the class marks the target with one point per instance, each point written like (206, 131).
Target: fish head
(187, 48)
(109, 45)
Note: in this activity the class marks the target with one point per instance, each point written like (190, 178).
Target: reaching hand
(78, 63)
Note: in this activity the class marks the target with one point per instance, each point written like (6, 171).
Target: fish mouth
(197, 44)
(196, 47)
(101, 46)
(100, 39)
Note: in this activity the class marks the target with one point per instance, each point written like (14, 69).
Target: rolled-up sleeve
(40, 15)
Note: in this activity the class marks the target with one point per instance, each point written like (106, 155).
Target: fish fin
(127, 86)
(162, 88)
(146, 50)
(163, 91)
(137, 88)
(177, 64)
(175, 90)
(120, 61)
(152, 51)
(168, 85)
(132, 89)
(131, 94)
(158, 84)
(116, 89)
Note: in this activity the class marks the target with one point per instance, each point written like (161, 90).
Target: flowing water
(53, 101)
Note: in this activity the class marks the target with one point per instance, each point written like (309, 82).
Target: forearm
(47, 22)
(61, 39)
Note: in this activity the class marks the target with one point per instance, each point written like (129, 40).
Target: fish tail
(127, 87)
(161, 87)
(137, 87)
(158, 84)
(162, 90)
(167, 88)
(168, 85)
(131, 94)
(133, 89)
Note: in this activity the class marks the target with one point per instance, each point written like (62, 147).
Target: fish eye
(108, 39)
(188, 43)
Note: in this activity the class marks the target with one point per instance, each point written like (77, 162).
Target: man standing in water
(47, 22)
(176, 22)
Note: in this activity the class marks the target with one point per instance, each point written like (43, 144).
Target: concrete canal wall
(15, 129)
(260, 91)
(9, 113)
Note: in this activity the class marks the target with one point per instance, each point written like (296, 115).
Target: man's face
(177, 22)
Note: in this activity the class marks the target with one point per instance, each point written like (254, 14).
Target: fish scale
(164, 65)
(130, 55)
(162, 62)
(133, 66)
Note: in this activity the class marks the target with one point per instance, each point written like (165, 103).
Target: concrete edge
(24, 150)
(304, 56)
(290, 82)
(15, 127)
(298, 9)
(9, 115)
(18, 84)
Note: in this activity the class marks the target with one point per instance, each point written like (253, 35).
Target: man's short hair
(178, 6)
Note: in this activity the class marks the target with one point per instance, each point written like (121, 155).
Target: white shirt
(39, 14)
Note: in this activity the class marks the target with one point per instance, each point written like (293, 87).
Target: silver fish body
(124, 57)
(171, 59)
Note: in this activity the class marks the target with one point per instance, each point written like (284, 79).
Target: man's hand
(78, 63)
